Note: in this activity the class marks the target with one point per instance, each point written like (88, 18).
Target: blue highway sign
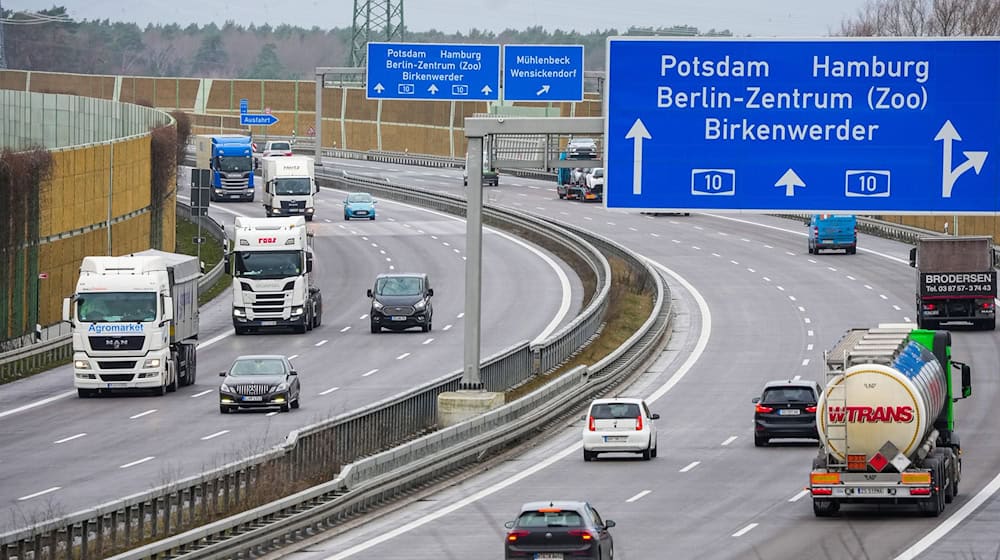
(244, 106)
(543, 72)
(864, 126)
(257, 120)
(428, 71)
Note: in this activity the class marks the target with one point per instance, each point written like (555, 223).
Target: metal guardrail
(312, 453)
(59, 348)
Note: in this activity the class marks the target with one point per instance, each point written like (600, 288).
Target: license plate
(789, 412)
(253, 398)
(549, 556)
(117, 385)
(613, 439)
(236, 196)
(398, 318)
(869, 491)
(292, 210)
(268, 323)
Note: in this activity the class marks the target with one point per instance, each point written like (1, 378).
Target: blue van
(833, 231)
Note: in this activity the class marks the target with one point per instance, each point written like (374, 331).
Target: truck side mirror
(67, 305)
(168, 309)
(309, 262)
(370, 293)
(913, 257)
(430, 292)
(966, 381)
(226, 260)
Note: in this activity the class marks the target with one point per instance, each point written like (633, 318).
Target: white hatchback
(619, 425)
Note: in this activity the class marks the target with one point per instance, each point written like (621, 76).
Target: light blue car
(359, 205)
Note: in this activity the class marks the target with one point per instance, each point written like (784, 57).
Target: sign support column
(473, 265)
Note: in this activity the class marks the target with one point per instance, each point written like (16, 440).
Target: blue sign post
(427, 71)
(543, 72)
(834, 125)
(244, 106)
(250, 119)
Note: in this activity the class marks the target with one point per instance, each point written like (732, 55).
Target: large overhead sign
(448, 72)
(833, 125)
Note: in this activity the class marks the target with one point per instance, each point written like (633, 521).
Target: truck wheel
(825, 508)
(172, 386)
(318, 319)
(309, 323)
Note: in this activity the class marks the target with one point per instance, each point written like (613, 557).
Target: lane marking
(729, 440)
(766, 279)
(690, 466)
(460, 315)
(782, 288)
(849, 277)
(345, 329)
(611, 223)
(215, 435)
(139, 462)
(38, 403)
(369, 372)
(37, 494)
(632, 229)
(831, 269)
(896, 307)
(388, 259)
(907, 319)
(745, 530)
(723, 234)
(812, 261)
(750, 270)
(802, 309)
(202, 394)
(805, 362)
(697, 248)
(214, 339)
(792, 298)
(330, 390)
(789, 253)
(638, 496)
(806, 320)
(868, 287)
(446, 328)
(271, 413)
(381, 251)
(716, 255)
(322, 342)
(883, 296)
(446, 244)
(141, 414)
(734, 262)
(363, 317)
(456, 250)
(768, 247)
(798, 496)
(402, 356)
(655, 234)
(745, 239)
(70, 438)
(428, 341)
(810, 333)
(796, 378)
(809, 347)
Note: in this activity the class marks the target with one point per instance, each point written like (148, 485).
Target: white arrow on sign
(379, 88)
(973, 160)
(790, 180)
(638, 133)
(433, 89)
(486, 89)
(545, 89)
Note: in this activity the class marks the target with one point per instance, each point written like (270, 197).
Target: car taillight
(987, 305)
(584, 535)
(930, 306)
(761, 409)
(811, 409)
(590, 424)
(816, 231)
(638, 422)
(512, 536)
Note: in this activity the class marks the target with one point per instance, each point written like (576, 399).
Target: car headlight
(377, 305)
(282, 387)
(239, 312)
(420, 305)
(151, 363)
(297, 311)
(225, 388)
(81, 364)
(86, 376)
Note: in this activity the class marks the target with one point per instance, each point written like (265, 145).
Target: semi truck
(289, 186)
(230, 157)
(886, 421)
(572, 182)
(271, 263)
(134, 322)
(956, 281)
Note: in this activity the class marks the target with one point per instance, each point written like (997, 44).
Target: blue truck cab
(230, 157)
(833, 232)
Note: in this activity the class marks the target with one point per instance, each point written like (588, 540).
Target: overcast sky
(742, 17)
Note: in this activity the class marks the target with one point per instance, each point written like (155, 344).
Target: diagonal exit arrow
(544, 89)
(638, 133)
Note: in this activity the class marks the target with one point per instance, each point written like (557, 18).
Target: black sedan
(260, 381)
(557, 530)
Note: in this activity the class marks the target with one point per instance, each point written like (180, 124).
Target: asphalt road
(753, 305)
(63, 454)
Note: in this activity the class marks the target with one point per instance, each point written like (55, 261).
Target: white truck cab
(289, 186)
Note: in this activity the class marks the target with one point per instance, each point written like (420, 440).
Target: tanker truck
(886, 421)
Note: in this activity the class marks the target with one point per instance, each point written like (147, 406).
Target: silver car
(259, 381)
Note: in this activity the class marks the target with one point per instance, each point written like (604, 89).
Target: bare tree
(920, 18)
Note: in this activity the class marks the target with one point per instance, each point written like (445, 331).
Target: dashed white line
(460, 315)
(768, 247)
(587, 218)
(802, 309)
(369, 372)
(729, 440)
(809, 347)
(796, 378)
(745, 530)
(699, 228)
(434, 237)
(539, 208)
(869, 287)
(697, 248)
(456, 250)
(402, 356)
(381, 251)
(676, 240)
(326, 220)
(215, 435)
(849, 277)
(331, 389)
(202, 394)
(807, 320)
(638, 496)
(766, 279)
(375, 245)
(345, 329)
(690, 466)
(745, 239)
(791, 297)
(446, 244)
(428, 341)
(907, 319)
(810, 333)
(392, 267)
(750, 270)
(446, 328)
(632, 229)
(896, 307)
(363, 317)
(564, 213)
(883, 296)
(273, 413)
(734, 262)
(782, 288)
(134, 463)
(799, 496)
(611, 223)
(322, 342)
(805, 361)
(388, 259)
(365, 237)
(655, 234)
(37, 494)
(716, 255)
(789, 253)
(70, 438)
(723, 234)
(141, 414)
(831, 269)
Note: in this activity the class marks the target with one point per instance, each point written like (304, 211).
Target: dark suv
(786, 409)
(401, 301)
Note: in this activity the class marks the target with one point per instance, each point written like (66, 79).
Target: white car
(277, 148)
(595, 178)
(619, 425)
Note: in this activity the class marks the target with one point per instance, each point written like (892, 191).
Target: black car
(401, 301)
(264, 381)
(786, 409)
(560, 529)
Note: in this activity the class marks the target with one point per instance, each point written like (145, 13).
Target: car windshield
(541, 519)
(298, 185)
(398, 286)
(781, 395)
(268, 265)
(285, 146)
(607, 411)
(258, 366)
(359, 198)
(598, 173)
(116, 307)
(233, 164)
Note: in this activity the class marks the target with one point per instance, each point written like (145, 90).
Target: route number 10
(866, 183)
(713, 182)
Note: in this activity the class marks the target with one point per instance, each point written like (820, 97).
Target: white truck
(289, 186)
(886, 421)
(135, 322)
(271, 263)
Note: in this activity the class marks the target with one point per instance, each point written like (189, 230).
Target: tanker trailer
(886, 421)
